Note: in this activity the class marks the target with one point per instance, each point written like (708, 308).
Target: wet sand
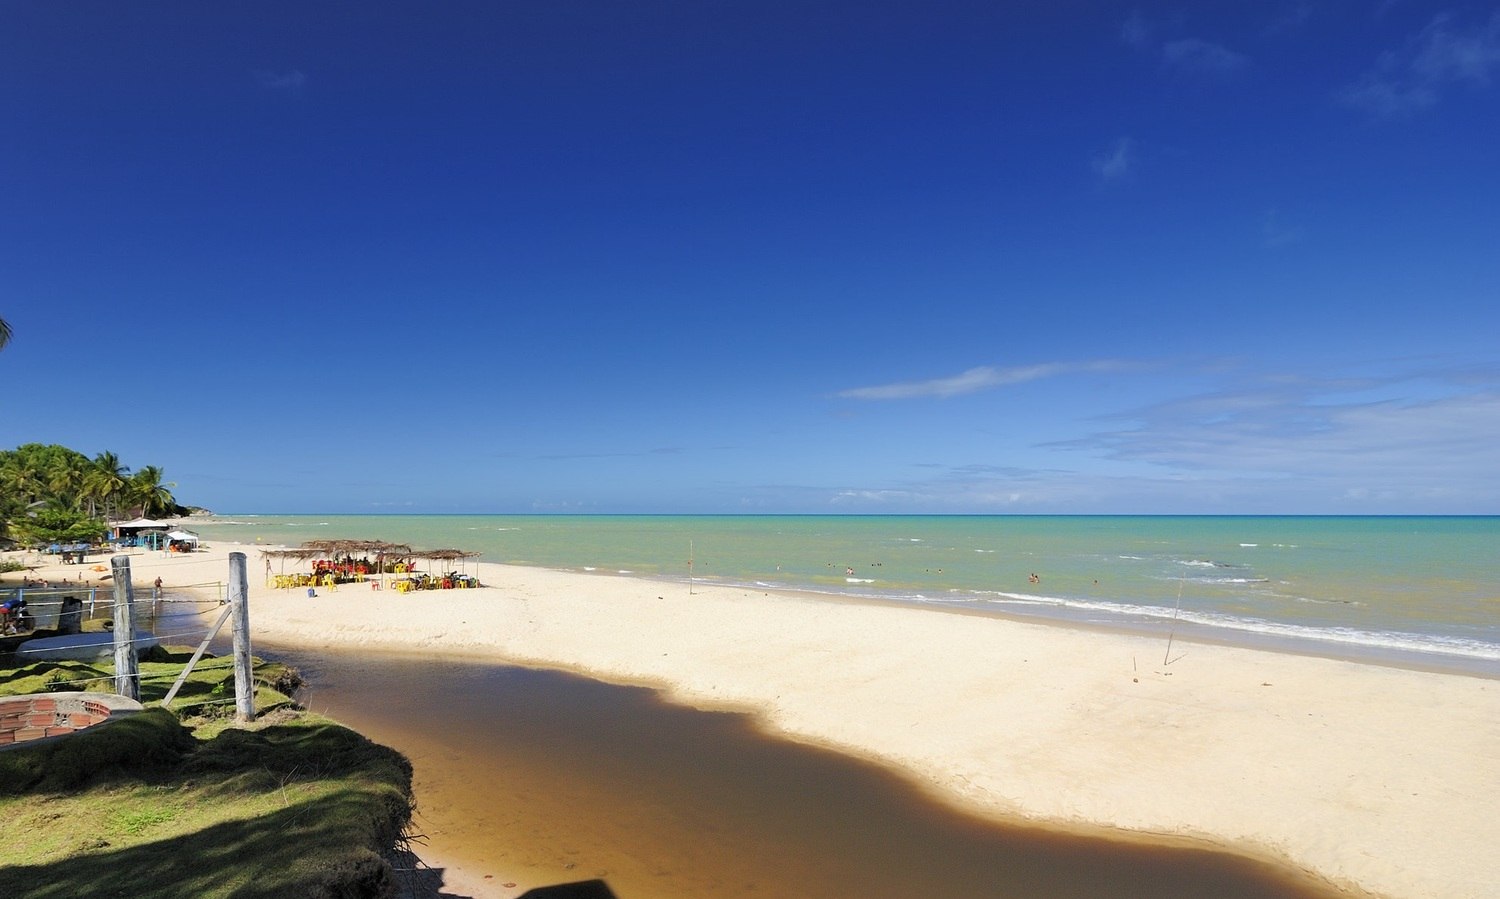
(538, 777)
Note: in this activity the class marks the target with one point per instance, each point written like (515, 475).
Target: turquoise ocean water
(1424, 590)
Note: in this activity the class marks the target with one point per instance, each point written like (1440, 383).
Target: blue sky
(738, 256)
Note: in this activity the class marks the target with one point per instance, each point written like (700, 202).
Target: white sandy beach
(1377, 777)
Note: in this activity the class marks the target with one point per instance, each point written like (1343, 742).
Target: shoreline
(1186, 632)
(1304, 759)
(1352, 605)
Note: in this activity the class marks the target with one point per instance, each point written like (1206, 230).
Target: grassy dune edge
(158, 805)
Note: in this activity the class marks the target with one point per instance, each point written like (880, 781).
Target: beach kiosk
(140, 532)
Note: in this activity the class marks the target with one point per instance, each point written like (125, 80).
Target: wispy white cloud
(1193, 54)
(1438, 57)
(290, 80)
(983, 377)
(1277, 232)
(1117, 162)
(1136, 31)
(1185, 54)
(1385, 6)
(1447, 55)
(1387, 97)
(624, 454)
(1292, 17)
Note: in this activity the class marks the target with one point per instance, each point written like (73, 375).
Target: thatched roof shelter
(320, 549)
(301, 554)
(350, 547)
(333, 549)
(448, 555)
(444, 555)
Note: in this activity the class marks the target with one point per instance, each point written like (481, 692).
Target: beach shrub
(61, 680)
(44, 526)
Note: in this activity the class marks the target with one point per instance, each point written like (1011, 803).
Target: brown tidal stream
(540, 778)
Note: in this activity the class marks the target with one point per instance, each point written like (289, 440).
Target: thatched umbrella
(298, 552)
(445, 554)
(380, 548)
(301, 555)
(314, 549)
(357, 546)
(448, 555)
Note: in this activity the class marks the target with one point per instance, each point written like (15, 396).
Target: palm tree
(147, 489)
(63, 483)
(19, 480)
(4, 333)
(108, 481)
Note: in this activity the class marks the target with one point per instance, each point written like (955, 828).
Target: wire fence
(106, 680)
(45, 622)
(24, 609)
(45, 614)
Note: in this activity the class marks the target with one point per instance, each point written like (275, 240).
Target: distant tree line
(50, 494)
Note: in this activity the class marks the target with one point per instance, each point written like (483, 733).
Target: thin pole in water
(1167, 659)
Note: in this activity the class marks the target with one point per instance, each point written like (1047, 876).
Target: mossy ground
(184, 803)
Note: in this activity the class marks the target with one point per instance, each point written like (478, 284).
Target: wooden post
(239, 600)
(127, 667)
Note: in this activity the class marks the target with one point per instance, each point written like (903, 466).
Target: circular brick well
(38, 716)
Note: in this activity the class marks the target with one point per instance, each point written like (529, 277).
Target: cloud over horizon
(983, 377)
(1357, 445)
(1398, 429)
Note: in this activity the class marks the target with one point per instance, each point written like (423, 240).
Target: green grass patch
(135, 821)
(184, 803)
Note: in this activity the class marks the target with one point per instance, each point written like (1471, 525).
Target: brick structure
(36, 716)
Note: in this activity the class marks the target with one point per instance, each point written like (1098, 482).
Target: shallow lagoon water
(541, 778)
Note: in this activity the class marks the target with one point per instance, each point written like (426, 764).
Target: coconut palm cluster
(50, 493)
